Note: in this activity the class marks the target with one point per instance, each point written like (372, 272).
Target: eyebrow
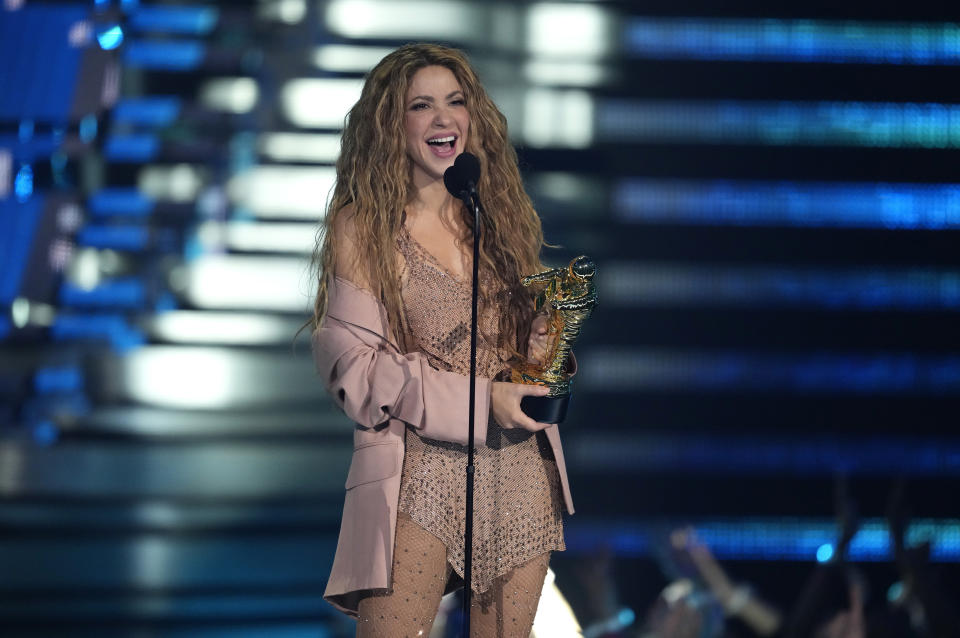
(429, 98)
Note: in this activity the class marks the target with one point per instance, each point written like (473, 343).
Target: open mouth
(443, 143)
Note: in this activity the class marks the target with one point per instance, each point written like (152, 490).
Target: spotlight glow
(110, 37)
(348, 58)
(23, 183)
(569, 30)
(300, 147)
(233, 95)
(449, 21)
(244, 282)
(562, 118)
(824, 553)
(276, 191)
(319, 102)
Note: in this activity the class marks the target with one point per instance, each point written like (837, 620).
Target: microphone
(461, 178)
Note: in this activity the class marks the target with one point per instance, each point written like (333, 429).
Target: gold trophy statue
(568, 296)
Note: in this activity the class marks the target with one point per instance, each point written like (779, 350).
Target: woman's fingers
(506, 398)
(525, 422)
(528, 389)
(521, 420)
(539, 325)
(520, 417)
(537, 343)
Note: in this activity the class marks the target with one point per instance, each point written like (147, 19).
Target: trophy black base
(546, 409)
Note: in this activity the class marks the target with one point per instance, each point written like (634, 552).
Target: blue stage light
(58, 168)
(45, 433)
(110, 37)
(127, 237)
(58, 379)
(646, 284)
(765, 539)
(803, 41)
(23, 183)
(779, 123)
(824, 553)
(133, 147)
(783, 203)
(18, 225)
(125, 292)
(631, 369)
(810, 455)
(119, 202)
(165, 301)
(25, 130)
(178, 55)
(88, 128)
(182, 20)
(148, 111)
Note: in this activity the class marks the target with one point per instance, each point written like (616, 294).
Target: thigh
(420, 573)
(508, 609)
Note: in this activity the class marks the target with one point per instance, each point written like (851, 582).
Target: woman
(391, 342)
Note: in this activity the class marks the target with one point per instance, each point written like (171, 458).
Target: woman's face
(436, 122)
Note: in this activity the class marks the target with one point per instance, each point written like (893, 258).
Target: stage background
(770, 191)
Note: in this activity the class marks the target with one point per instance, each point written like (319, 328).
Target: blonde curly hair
(374, 184)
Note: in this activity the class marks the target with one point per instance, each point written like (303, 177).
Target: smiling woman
(436, 122)
(391, 343)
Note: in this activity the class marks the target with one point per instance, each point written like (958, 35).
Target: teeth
(441, 140)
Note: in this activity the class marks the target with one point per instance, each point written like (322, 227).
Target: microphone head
(463, 176)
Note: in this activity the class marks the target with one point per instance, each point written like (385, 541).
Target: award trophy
(567, 296)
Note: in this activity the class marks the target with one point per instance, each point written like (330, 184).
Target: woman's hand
(537, 344)
(505, 404)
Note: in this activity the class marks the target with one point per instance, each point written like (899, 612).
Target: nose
(441, 115)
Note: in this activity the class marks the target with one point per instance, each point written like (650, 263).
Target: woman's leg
(420, 574)
(508, 609)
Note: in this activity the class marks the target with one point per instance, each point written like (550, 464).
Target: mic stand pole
(473, 203)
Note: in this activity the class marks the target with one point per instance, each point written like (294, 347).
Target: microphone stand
(472, 202)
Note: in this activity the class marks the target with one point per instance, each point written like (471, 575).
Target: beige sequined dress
(517, 498)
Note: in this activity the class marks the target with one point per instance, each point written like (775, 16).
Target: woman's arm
(372, 381)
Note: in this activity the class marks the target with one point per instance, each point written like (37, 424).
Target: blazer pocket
(373, 462)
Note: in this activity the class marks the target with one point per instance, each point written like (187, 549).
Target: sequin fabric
(517, 497)
(420, 573)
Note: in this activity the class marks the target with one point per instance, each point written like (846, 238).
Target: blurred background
(762, 439)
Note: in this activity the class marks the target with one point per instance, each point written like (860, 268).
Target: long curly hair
(374, 179)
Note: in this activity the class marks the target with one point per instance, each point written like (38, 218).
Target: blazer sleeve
(369, 377)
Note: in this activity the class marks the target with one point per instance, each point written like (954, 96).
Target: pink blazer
(382, 390)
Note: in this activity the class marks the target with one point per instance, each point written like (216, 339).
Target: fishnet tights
(420, 573)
